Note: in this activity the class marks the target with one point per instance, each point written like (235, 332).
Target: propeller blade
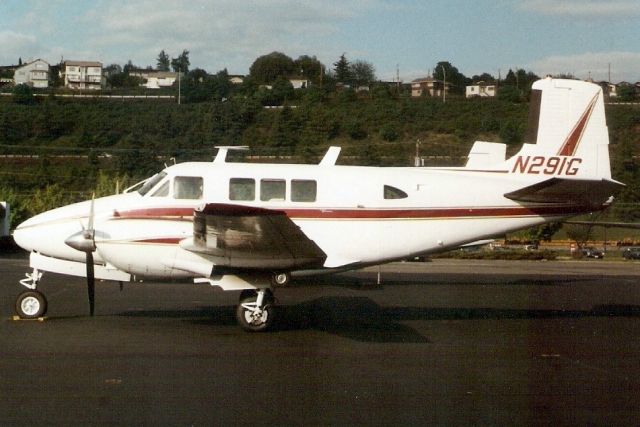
(90, 282)
(91, 215)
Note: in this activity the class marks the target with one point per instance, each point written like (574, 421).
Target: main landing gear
(255, 312)
(31, 304)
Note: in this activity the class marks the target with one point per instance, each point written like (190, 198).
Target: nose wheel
(255, 311)
(31, 305)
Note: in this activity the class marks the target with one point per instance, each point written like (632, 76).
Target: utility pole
(178, 87)
(417, 162)
(444, 88)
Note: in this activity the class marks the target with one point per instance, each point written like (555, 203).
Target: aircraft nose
(24, 236)
(47, 237)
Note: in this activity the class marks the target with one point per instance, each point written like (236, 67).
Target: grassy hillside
(88, 145)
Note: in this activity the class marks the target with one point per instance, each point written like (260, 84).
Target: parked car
(591, 252)
(631, 253)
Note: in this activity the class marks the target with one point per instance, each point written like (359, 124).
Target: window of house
(242, 189)
(303, 190)
(187, 187)
(272, 189)
(394, 193)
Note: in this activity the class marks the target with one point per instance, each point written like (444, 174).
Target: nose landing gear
(31, 304)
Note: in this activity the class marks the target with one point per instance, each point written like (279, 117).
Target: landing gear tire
(250, 316)
(31, 305)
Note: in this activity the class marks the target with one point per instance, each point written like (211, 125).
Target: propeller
(84, 241)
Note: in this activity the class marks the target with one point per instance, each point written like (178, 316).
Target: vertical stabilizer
(567, 133)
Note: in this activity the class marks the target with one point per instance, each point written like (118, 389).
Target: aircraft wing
(244, 237)
(583, 192)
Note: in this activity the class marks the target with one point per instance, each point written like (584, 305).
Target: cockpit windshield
(151, 182)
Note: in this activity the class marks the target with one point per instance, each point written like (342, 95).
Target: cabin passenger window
(303, 190)
(187, 187)
(242, 189)
(394, 193)
(272, 189)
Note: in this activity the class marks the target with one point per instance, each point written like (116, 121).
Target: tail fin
(567, 135)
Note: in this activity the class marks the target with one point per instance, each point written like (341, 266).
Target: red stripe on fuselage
(372, 214)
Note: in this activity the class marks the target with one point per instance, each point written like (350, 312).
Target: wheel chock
(37, 319)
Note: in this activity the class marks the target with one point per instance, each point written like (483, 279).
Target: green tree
(510, 79)
(282, 90)
(342, 69)
(163, 62)
(484, 77)
(128, 67)
(55, 78)
(511, 132)
(267, 68)
(625, 93)
(579, 233)
(542, 233)
(309, 67)
(448, 73)
(362, 72)
(510, 94)
(181, 63)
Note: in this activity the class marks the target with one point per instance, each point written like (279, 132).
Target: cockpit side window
(394, 193)
(151, 182)
(162, 191)
(187, 187)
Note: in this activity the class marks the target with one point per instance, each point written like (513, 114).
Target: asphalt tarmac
(439, 343)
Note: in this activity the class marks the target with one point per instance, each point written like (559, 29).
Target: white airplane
(249, 227)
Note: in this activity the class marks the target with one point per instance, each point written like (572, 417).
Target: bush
(22, 94)
(389, 133)
(355, 130)
(508, 254)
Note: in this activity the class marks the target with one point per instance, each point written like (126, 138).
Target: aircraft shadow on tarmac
(369, 281)
(361, 319)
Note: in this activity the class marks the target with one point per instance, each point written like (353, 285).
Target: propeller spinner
(84, 241)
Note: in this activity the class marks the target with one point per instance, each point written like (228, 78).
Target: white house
(299, 82)
(155, 79)
(34, 74)
(83, 75)
(161, 79)
(428, 86)
(481, 89)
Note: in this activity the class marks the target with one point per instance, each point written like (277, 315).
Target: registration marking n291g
(554, 165)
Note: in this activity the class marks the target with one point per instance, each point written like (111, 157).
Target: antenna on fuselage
(221, 156)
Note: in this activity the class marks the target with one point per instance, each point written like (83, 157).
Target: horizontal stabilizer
(582, 192)
(244, 237)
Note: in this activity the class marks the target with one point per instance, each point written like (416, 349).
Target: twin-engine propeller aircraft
(249, 227)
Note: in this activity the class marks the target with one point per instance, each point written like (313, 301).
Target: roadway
(440, 343)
